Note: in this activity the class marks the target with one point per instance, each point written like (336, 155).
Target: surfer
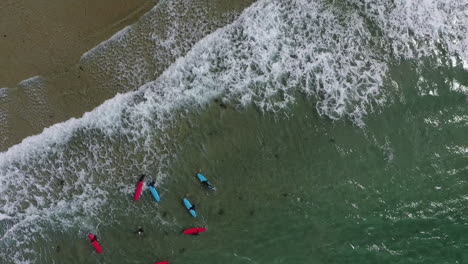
(94, 239)
(190, 207)
(153, 190)
(204, 181)
(206, 184)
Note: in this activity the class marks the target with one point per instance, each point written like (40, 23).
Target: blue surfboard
(203, 179)
(188, 205)
(153, 191)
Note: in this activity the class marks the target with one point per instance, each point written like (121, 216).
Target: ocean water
(335, 132)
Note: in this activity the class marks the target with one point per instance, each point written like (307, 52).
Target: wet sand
(68, 86)
(48, 39)
(40, 37)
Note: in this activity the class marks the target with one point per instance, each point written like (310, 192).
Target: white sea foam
(272, 52)
(134, 56)
(417, 28)
(276, 49)
(106, 117)
(4, 216)
(463, 150)
(458, 87)
(3, 92)
(31, 80)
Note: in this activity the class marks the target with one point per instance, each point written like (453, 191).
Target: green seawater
(295, 187)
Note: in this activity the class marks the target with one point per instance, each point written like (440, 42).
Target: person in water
(142, 177)
(207, 184)
(152, 183)
(140, 231)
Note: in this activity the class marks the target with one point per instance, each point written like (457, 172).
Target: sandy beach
(46, 77)
(47, 39)
(39, 37)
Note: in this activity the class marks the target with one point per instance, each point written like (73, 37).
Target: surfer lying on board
(204, 181)
(207, 184)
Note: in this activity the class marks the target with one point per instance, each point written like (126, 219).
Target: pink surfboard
(95, 243)
(194, 230)
(139, 188)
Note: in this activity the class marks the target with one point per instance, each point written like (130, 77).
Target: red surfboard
(95, 243)
(162, 262)
(194, 230)
(139, 188)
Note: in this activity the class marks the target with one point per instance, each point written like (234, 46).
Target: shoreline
(113, 68)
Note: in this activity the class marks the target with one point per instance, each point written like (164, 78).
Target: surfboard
(202, 179)
(95, 243)
(194, 230)
(188, 205)
(162, 262)
(138, 188)
(153, 191)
